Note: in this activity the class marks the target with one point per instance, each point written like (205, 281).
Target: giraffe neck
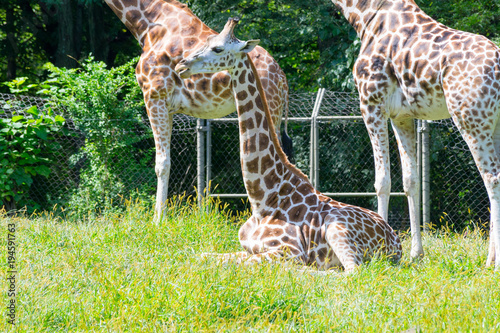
(139, 16)
(265, 166)
(370, 18)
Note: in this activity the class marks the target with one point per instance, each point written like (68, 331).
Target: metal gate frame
(204, 153)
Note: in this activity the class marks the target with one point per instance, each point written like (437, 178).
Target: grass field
(125, 273)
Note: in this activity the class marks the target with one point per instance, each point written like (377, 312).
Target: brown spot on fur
(311, 200)
(253, 165)
(291, 231)
(258, 103)
(258, 119)
(297, 213)
(272, 232)
(271, 179)
(203, 85)
(251, 77)
(272, 200)
(250, 146)
(266, 163)
(246, 125)
(251, 90)
(247, 107)
(285, 189)
(242, 95)
(263, 141)
(297, 198)
(279, 167)
(285, 203)
(242, 77)
(226, 93)
(254, 190)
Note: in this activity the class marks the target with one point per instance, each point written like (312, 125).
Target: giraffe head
(217, 54)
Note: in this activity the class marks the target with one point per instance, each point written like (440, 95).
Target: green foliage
(20, 86)
(311, 40)
(477, 16)
(106, 108)
(27, 145)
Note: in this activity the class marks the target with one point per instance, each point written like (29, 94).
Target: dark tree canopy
(311, 40)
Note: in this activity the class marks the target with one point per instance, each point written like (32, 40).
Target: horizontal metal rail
(340, 194)
(298, 119)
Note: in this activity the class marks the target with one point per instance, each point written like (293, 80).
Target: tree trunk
(66, 50)
(12, 49)
(97, 32)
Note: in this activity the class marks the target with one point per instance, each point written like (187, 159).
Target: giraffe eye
(217, 49)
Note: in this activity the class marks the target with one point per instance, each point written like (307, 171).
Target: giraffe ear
(250, 45)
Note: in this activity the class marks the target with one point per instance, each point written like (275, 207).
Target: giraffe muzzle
(182, 69)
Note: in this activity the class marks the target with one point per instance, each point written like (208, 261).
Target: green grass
(123, 272)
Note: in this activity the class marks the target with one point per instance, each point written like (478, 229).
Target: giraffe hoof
(417, 255)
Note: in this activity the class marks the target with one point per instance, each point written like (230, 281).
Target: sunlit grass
(124, 272)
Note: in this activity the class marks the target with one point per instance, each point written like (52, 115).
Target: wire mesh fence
(332, 147)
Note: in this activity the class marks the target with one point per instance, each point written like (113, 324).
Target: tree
(60, 32)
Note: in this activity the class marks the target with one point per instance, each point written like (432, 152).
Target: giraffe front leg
(404, 131)
(224, 258)
(376, 124)
(244, 257)
(491, 251)
(161, 124)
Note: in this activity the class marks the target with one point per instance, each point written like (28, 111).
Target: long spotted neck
(141, 15)
(264, 164)
(370, 18)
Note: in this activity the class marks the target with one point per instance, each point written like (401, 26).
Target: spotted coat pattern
(413, 67)
(290, 218)
(168, 31)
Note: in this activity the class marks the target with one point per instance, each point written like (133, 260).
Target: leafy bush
(107, 110)
(27, 145)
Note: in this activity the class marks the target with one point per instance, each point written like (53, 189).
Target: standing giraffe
(167, 31)
(413, 67)
(290, 218)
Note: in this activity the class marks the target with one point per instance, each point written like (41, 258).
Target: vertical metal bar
(209, 155)
(314, 162)
(419, 165)
(311, 146)
(200, 141)
(316, 153)
(426, 168)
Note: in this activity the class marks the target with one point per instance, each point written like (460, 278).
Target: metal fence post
(419, 168)
(314, 153)
(426, 204)
(200, 140)
(209, 155)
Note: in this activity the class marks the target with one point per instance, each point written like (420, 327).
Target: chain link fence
(331, 145)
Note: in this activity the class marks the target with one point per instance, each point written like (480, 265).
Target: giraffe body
(413, 67)
(168, 31)
(290, 218)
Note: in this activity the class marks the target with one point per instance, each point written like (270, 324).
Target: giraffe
(413, 67)
(167, 31)
(290, 218)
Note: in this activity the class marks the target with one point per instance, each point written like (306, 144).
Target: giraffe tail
(286, 141)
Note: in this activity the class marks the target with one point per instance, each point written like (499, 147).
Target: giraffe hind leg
(344, 246)
(485, 150)
(492, 252)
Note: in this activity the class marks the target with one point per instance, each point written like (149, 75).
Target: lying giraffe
(167, 31)
(413, 67)
(290, 218)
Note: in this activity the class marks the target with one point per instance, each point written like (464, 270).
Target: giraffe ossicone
(413, 67)
(290, 218)
(167, 30)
